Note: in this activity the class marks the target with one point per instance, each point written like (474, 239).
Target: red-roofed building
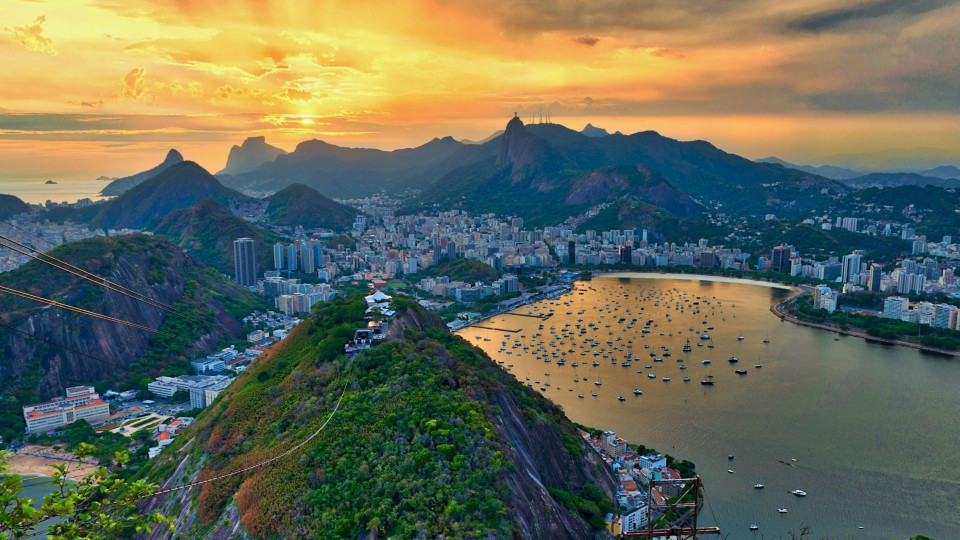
(164, 438)
(80, 403)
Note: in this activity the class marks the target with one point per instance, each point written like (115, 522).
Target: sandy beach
(25, 463)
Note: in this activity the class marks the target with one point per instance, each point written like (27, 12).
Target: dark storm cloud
(834, 18)
(589, 41)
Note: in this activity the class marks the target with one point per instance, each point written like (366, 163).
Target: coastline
(777, 309)
(28, 463)
(693, 277)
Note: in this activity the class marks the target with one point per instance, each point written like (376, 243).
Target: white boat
(651, 375)
(666, 379)
(799, 493)
(782, 510)
(754, 527)
(637, 392)
(758, 485)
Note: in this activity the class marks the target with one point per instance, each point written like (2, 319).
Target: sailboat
(708, 381)
(740, 336)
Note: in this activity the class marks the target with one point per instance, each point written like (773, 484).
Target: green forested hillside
(298, 204)
(466, 270)
(207, 232)
(418, 446)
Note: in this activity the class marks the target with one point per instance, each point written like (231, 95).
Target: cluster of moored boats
(612, 335)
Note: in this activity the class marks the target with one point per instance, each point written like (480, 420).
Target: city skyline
(104, 88)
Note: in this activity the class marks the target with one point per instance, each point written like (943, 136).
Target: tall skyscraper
(571, 252)
(306, 258)
(245, 262)
(292, 258)
(851, 268)
(874, 285)
(781, 258)
(278, 256)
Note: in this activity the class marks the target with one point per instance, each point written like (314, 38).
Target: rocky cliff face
(540, 462)
(151, 266)
(518, 147)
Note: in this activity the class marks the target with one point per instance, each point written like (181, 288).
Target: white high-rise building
(894, 306)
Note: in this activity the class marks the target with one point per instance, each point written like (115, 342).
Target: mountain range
(547, 172)
(179, 188)
(944, 175)
(341, 172)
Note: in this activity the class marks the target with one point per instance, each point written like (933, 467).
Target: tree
(101, 505)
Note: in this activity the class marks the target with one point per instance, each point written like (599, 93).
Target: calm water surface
(874, 429)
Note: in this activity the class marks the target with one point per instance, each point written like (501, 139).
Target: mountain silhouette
(251, 154)
(120, 185)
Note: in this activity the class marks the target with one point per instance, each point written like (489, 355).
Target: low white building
(80, 403)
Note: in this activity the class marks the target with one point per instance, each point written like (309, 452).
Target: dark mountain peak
(313, 145)
(173, 157)
(297, 189)
(251, 154)
(517, 144)
(299, 204)
(11, 206)
(207, 205)
(120, 185)
(438, 142)
(178, 187)
(592, 131)
(943, 171)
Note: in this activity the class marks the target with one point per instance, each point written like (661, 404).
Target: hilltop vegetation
(208, 230)
(466, 270)
(423, 442)
(814, 241)
(629, 212)
(298, 204)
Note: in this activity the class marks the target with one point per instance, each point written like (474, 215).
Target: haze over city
(105, 87)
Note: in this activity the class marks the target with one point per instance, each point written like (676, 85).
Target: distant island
(49, 182)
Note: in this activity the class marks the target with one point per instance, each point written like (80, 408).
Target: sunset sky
(105, 87)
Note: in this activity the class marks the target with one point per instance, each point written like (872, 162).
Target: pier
(497, 329)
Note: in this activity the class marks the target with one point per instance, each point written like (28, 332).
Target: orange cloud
(31, 36)
(132, 84)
